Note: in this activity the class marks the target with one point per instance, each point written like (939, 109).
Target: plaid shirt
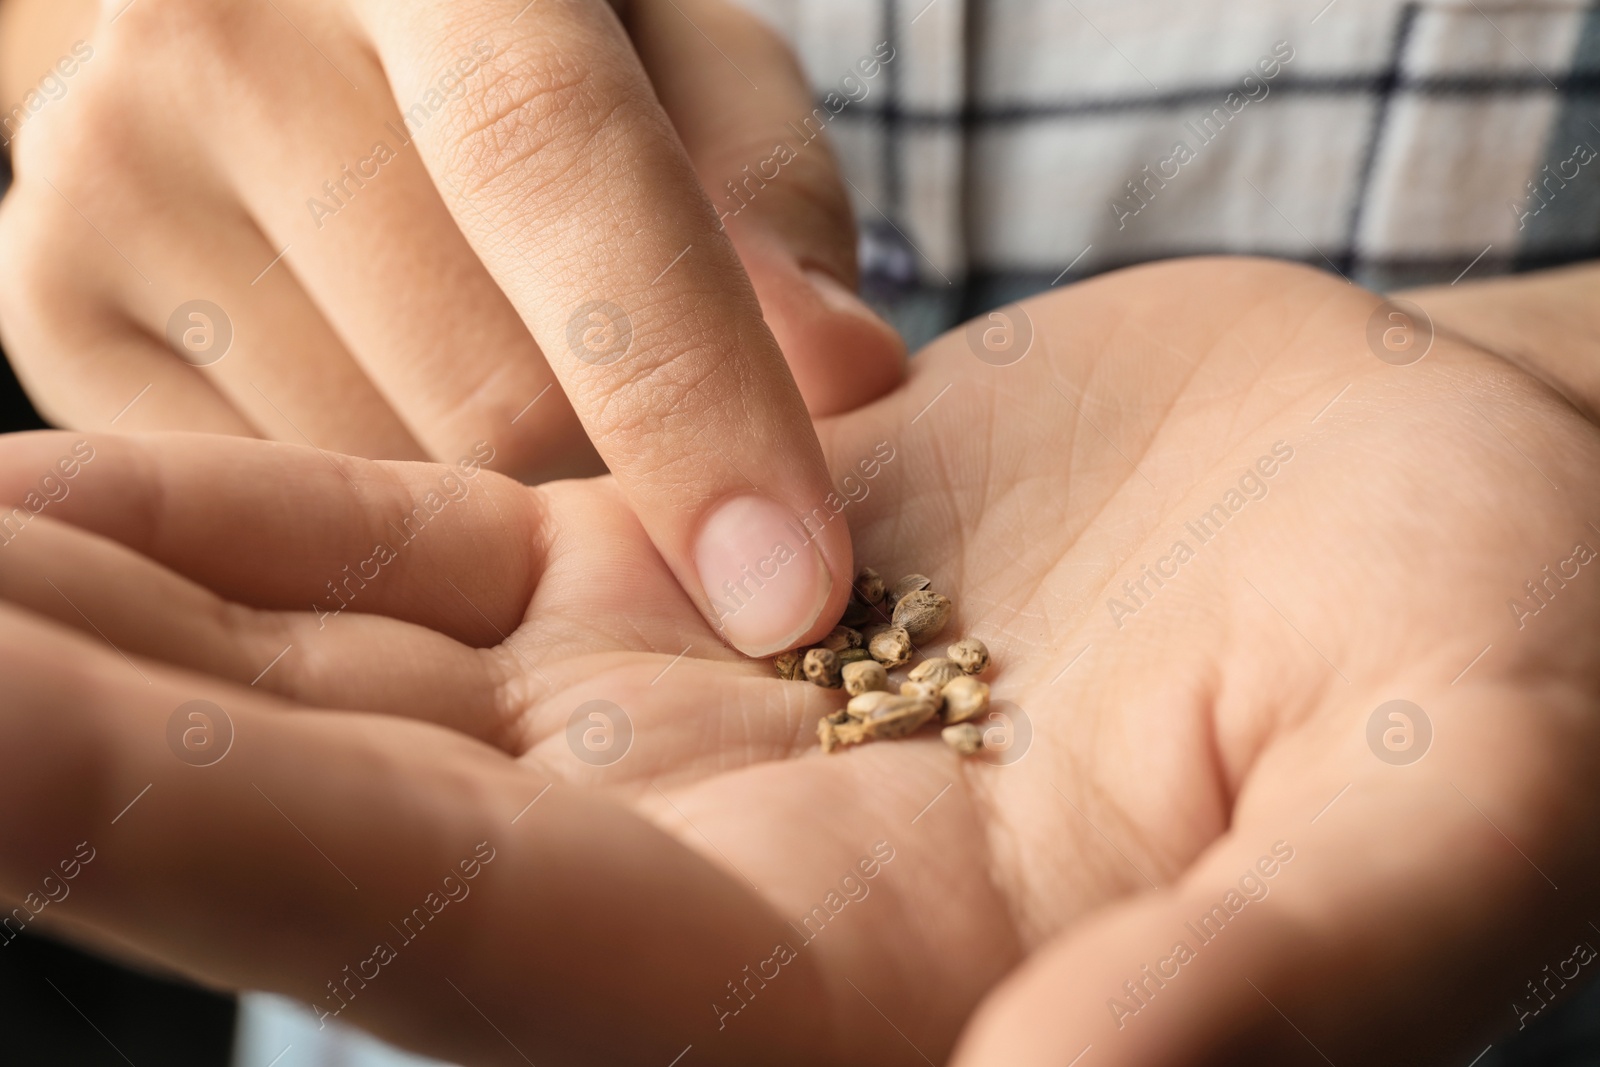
(1011, 145)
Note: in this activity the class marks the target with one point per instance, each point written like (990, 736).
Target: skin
(1169, 755)
(572, 296)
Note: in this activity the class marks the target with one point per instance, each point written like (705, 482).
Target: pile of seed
(896, 619)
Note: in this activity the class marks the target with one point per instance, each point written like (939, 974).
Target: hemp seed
(938, 672)
(911, 583)
(945, 687)
(891, 647)
(964, 698)
(898, 716)
(965, 738)
(864, 676)
(841, 638)
(971, 654)
(869, 586)
(857, 614)
(925, 691)
(922, 614)
(788, 666)
(822, 668)
(864, 704)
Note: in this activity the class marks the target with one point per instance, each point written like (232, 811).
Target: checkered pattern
(1391, 148)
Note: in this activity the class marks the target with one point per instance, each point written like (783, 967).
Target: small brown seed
(926, 691)
(911, 583)
(864, 676)
(788, 666)
(899, 716)
(971, 654)
(891, 647)
(922, 614)
(938, 671)
(857, 614)
(841, 638)
(864, 704)
(854, 655)
(965, 738)
(869, 586)
(822, 668)
(965, 698)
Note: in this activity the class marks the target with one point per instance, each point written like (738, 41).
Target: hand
(1217, 742)
(532, 188)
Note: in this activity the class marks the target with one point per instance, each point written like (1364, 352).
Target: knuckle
(541, 120)
(676, 389)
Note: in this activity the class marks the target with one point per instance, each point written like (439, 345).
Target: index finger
(567, 178)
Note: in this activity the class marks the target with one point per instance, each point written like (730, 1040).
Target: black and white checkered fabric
(1393, 142)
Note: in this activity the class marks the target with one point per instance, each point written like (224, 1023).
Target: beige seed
(922, 614)
(965, 698)
(841, 638)
(937, 671)
(925, 691)
(822, 668)
(864, 676)
(971, 654)
(838, 735)
(788, 666)
(869, 586)
(891, 647)
(965, 738)
(825, 734)
(911, 583)
(898, 717)
(863, 705)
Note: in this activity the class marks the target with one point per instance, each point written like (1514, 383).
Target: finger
(1393, 925)
(358, 662)
(452, 359)
(773, 178)
(571, 185)
(82, 364)
(438, 897)
(265, 346)
(188, 278)
(456, 549)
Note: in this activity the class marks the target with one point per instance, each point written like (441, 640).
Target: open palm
(1198, 743)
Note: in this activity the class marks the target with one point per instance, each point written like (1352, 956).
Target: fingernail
(836, 296)
(766, 581)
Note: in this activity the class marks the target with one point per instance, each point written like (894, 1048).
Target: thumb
(757, 141)
(1402, 926)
